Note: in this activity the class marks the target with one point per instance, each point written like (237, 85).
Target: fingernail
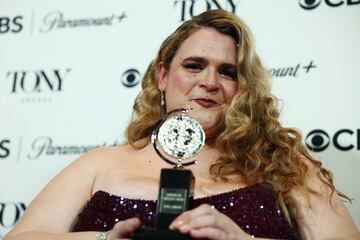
(176, 224)
(184, 228)
(132, 221)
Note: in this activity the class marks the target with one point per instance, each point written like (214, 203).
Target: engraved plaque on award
(176, 138)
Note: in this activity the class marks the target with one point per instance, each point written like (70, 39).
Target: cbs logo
(13, 25)
(312, 4)
(4, 148)
(130, 78)
(318, 140)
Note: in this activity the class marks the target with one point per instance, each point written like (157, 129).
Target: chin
(208, 120)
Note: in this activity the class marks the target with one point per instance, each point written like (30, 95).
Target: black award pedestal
(175, 197)
(180, 137)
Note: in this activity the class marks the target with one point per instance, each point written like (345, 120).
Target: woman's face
(202, 76)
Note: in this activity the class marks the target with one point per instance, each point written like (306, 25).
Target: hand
(124, 229)
(206, 222)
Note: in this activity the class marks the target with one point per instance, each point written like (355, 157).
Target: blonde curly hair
(253, 145)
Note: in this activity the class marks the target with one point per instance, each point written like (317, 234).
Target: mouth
(206, 103)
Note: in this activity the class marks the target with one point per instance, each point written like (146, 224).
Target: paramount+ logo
(312, 4)
(319, 140)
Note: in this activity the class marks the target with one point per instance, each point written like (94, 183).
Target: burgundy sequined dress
(253, 208)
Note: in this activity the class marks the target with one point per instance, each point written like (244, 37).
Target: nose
(210, 82)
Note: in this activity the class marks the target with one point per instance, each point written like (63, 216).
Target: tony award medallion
(176, 138)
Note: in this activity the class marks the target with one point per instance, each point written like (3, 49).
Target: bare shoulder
(322, 213)
(101, 157)
(121, 167)
(72, 187)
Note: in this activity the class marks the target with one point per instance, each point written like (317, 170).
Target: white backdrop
(69, 72)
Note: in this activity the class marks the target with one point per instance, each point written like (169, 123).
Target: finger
(208, 233)
(209, 220)
(188, 215)
(203, 209)
(124, 228)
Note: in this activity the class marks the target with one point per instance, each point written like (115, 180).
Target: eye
(309, 4)
(193, 66)
(317, 140)
(130, 77)
(228, 74)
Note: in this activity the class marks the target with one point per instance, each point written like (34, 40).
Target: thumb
(124, 228)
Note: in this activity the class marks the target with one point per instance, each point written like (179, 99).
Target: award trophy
(175, 138)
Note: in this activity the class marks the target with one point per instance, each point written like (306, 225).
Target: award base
(159, 234)
(175, 197)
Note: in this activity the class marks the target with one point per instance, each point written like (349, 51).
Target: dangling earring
(162, 98)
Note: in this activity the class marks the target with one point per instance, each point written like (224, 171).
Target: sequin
(254, 209)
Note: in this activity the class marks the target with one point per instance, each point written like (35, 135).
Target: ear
(162, 76)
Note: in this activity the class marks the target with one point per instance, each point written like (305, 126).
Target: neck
(207, 156)
(210, 142)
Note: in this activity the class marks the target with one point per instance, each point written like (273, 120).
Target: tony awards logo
(176, 138)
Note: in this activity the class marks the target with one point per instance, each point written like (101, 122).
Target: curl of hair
(253, 145)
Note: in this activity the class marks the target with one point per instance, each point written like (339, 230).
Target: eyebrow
(203, 60)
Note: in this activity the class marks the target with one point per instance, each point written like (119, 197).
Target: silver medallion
(179, 137)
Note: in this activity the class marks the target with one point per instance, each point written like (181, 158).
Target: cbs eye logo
(130, 78)
(318, 140)
(309, 4)
(312, 4)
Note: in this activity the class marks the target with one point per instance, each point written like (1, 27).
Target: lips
(206, 103)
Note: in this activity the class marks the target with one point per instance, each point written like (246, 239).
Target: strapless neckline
(254, 208)
(214, 196)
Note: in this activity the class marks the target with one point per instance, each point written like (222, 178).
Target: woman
(254, 178)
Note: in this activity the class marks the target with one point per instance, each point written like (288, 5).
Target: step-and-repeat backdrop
(70, 70)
